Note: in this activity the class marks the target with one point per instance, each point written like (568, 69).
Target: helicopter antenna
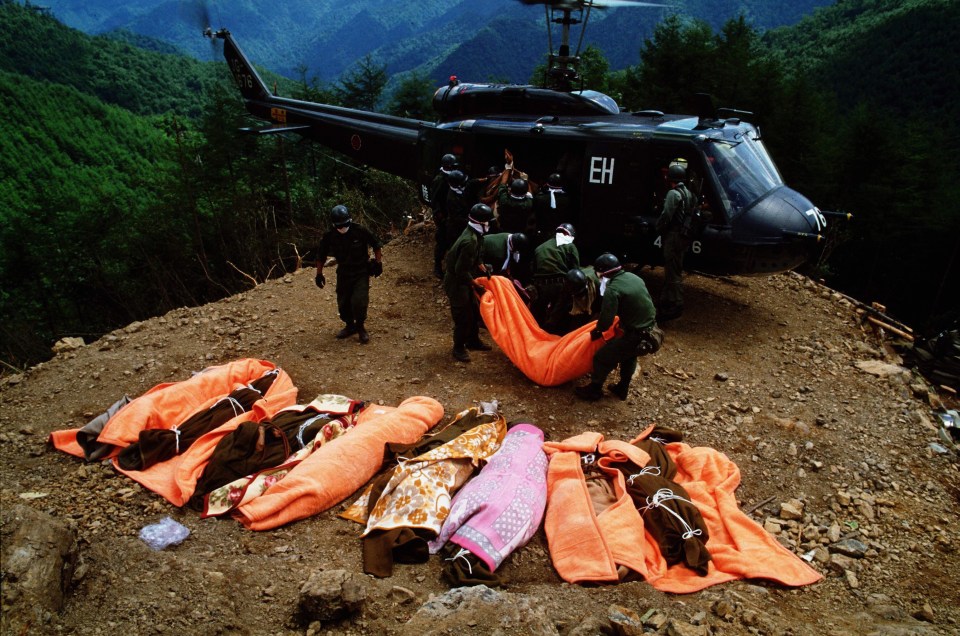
(583, 30)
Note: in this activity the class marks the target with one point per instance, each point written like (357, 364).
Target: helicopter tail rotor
(197, 14)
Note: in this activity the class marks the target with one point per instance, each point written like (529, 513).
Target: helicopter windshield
(744, 169)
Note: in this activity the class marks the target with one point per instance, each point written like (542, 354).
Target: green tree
(413, 97)
(594, 69)
(362, 86)
(675, 64)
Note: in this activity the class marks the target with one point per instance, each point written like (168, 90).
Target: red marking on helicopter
(356, 142)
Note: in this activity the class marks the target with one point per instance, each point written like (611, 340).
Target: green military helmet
(606, 264)
(576, 281)
(676, 172)
(448, 162)
(481, 213)
(518, 188)
(340, 216)
(519, 242)
(456, 179)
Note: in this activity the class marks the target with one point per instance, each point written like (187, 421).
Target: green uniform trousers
(353, 296)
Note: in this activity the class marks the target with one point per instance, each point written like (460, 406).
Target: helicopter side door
(616, 183)
(699, 181)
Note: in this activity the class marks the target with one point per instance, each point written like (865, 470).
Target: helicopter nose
(781, 231)
(784, 212)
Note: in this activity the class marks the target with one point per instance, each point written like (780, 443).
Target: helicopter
(613, 163)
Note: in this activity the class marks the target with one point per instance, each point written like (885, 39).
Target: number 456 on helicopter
(612, 162)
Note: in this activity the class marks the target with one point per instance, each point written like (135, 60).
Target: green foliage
(36, 45)
(313, 89)
(107, 216)
(362, 86)
(76, 175)
(855, 124)
(594, 71)
(413, 97)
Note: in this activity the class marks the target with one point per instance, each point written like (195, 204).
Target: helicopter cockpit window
(744, 170)
(605, 101)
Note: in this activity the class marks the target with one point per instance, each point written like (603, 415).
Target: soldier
(577, 304)
(551, 261)
(515, 207)
(508, 255)
(464, 264)
(456, 206)
(348, 242)
(625, 296)
(438, 199)
(551, 207)
(676, 230)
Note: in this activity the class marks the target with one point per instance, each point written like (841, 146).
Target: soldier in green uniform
(515, 207)
(463, 265)
(551, 207)
(456, 206)
(625, 296)
(675, 231)
(508, 255)
(348, 242)
(551, 261)
(578, 303)
(438, 201)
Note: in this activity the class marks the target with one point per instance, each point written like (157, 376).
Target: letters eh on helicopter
(613, 163)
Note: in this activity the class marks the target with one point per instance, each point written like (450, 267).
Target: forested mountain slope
(900, 54)
(115, 72)
(328, 35)
(126, 190)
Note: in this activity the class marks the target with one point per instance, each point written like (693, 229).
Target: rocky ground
(836, 461)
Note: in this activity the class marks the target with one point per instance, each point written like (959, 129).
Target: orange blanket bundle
(167, 405)
(585, 546)
(339, 468)
(546, 359)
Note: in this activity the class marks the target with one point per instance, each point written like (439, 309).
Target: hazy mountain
(475, 40)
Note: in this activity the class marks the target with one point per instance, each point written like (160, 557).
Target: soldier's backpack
(688, 215)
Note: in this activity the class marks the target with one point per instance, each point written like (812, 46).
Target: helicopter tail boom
(381, 141)
(248, 80)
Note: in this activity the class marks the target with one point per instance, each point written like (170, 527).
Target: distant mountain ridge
(475, 40)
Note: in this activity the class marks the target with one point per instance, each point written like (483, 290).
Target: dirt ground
(762, 369)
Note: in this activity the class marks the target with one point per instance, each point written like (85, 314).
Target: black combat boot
(347, 331)
(620, 390)
(590, 392)
(364, 336)
(461, 354)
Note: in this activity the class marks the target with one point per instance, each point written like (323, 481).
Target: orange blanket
(546, 359)
(585, 546)
(339, 468)
(166, 405)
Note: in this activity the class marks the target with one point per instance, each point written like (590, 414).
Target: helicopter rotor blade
(597, 4)
(197, 14)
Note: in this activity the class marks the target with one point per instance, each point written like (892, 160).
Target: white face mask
(482, 228)
(564, 239)
(343, 230)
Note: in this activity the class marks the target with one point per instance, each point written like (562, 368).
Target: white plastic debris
(164, 533)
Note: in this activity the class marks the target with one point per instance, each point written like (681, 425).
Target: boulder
(38, 554)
